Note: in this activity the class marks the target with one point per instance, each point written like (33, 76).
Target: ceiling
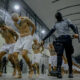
(46, 9)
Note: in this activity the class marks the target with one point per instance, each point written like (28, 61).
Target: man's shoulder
(24, 18)
(67, 20)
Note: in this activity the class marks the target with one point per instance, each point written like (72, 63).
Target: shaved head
(15, 16)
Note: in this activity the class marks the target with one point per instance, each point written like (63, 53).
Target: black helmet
(58, 16)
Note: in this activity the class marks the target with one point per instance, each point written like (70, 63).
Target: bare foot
(18, 76)
(31, 74)
(37, 75)
(14, 74)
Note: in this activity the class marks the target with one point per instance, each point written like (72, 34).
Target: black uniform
(63, 41)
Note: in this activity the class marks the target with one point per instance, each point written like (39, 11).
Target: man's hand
(75, 35)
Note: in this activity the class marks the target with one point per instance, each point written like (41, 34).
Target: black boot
(70, 72)
(59, 75)
(70, 75)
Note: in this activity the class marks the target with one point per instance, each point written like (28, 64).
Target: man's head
(58, 16)
(2, 22)
(35, 40)
(15, 17)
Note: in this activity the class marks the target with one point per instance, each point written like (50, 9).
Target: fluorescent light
(16, 7)
(43, 31)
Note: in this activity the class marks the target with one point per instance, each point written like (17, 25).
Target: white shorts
(23, 43)
(76, 68)
(65, 66)
(36, 58)
(53, 60)
(8, 48)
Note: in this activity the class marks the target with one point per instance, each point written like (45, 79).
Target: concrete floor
(41, 77)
